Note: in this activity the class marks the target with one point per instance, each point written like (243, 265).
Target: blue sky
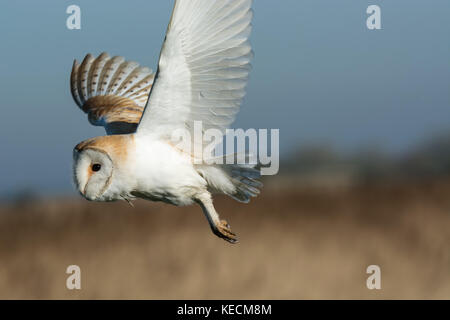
(319, 75)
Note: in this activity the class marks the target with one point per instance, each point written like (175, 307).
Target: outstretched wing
(112, 91)
(203, 67)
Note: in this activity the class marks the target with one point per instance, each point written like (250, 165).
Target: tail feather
(237, 181)
(245, 181)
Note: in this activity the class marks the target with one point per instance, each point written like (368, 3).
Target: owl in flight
(202, 74)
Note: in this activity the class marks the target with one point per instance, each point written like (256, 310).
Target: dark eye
(96, 167)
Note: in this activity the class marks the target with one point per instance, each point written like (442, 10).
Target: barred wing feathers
(112, 91)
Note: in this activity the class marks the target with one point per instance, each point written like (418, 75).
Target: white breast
(163, 173)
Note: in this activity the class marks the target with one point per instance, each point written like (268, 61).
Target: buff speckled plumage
(112, 91)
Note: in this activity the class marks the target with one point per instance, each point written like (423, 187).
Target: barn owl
(202, 74)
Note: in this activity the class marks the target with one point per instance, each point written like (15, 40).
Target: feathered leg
(219, 227)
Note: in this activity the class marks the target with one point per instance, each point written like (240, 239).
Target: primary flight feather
(202, 74)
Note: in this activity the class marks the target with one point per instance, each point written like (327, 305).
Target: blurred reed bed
(297, 241)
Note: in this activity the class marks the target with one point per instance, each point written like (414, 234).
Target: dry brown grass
(294, 245)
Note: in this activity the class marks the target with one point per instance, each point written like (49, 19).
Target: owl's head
(96, 161)
(93, 170)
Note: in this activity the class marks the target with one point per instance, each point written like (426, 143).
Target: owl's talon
(223, 230)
